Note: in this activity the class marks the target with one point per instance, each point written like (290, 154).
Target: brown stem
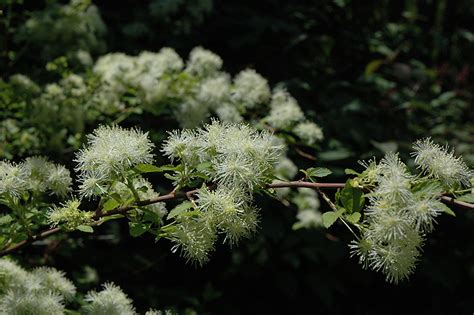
(174, 194)
(299, 183)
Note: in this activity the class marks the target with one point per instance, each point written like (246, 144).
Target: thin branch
(281, 184)
(174, 195)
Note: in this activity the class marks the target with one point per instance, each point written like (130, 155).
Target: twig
(174, 194)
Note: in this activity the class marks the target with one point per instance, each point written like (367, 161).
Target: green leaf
(373, 66)
(5, 219)
(111, 217)
(148, 168)
(203, 166)
(85, 228)
(446, 209)
(352, 198)
(354, 217)
(180, 209)
(111, 204)
(350, 171)
(316, 172)
(171, 177)
(335, 155)
(137, 228)
(469, 198)
(330, 217)
(151, 216)
(117, 197)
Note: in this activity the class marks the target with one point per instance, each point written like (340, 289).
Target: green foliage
(374, 78)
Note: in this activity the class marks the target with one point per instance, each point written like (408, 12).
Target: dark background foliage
(376, 75)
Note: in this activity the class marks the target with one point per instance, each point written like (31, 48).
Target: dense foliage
(100, 114)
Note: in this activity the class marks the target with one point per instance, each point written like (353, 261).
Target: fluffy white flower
(286, 169)
(195, 238)
(386, 226)
(285, 111)
(109, 152)
(165, 61)
(214, 91)
(13, 179)
(84, 57)
(111, 300)
(393, 179)
(440, 163)
(423, 212)
(203, 62)
(74, 85)
(309, 132)
(55, 281)
(239, 155)
(12, 276)
(306, 199)
(21, 302)
(397, 258)
(44, 175)
(114, 69)
(250, 89)
(228, 112)
(308, 219)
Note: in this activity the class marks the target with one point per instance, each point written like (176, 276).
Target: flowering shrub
(219, 168)
(46, 291)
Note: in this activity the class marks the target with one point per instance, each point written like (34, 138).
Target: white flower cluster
(34, 174)
(308, 215)
(111, 300)
(200, 88)
(284, 110)
(203, 63)
(440, 163)
(45, 291)
(237, 159)
(250, 89)
(286, 114)
(108, 154)
(403, 208)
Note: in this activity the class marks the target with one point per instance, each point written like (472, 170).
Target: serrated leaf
(316, 172)
(352, 198)
(354, 217)
(469, 198)
(180, 209)
(319, 172)
(446, 209)
(330, 217)
(136, 228)
(110, 204)
(85, 228)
